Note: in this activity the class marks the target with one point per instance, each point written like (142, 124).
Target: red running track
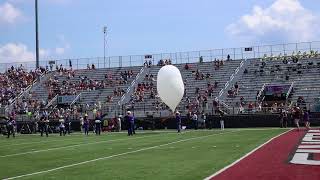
(270, 162)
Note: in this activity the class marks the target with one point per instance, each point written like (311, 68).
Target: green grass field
(149, 155)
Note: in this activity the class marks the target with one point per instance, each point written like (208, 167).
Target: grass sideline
(149, 155)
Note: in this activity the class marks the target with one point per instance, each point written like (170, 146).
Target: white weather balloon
(170, 86)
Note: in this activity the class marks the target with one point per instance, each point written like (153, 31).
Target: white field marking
(310, 142)
(57, 140)
(309, 147)
(71, 146)
(122, 132)
(243, 129)
(112, 156)
(308, 151)
(81, 144)
(235, 162)
(80, 135)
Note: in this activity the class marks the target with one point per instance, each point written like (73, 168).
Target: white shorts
(296, 121)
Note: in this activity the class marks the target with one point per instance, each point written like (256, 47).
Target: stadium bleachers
(104, 88)
(211, 74)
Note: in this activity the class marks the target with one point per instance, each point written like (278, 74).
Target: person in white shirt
(221, 120)
(119, 123)
(195, 120)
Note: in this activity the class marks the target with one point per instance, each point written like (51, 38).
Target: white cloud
(44, 52)
(284, 20)
(19, 52)
(15, 52)
(60, 50)
(9, 14)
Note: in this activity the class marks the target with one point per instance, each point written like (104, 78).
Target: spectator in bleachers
(145, 64)
(14, 81)
(161, 63)
(228, 58)
(70, 63)
(186, 66)
(236, 87)
(200, 59)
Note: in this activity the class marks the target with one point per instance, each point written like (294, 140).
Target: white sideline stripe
(112, 156)
(78, 135)
(70, 146)
(82, 144)
(235, 162)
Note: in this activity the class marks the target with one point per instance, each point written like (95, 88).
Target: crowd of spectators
(15, 80)
(65, 82)
(164, 62)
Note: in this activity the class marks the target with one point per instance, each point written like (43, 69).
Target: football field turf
(147, 155)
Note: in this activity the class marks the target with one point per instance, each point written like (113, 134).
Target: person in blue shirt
(86, 125)
(67, 124)
(62, 129)
(130, 123)
(178, 121)
(306, 119)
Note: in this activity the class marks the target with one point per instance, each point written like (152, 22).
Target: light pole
(37, 37)
(104, 43)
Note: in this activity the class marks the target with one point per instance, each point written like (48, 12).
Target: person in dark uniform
(10, 127)
(133, 127)
(130, 123)
(67, 124)
(283, 119)
(296, 116)
(178, 121)
(44, 126)
(221, 114)
(62, 129)
(86, 125)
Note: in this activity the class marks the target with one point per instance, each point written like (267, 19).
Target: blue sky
(73, 28)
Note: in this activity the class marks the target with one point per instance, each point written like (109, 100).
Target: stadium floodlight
(104, 42)
(37, 36)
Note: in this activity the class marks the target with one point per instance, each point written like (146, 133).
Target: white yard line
(76, 145)
(78, 136)
(81, 144)
(112, 156)
(56, 140)
(248, 154)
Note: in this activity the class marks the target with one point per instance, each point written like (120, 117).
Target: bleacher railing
(176, 58)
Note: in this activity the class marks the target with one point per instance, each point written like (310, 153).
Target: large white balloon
(170, 86)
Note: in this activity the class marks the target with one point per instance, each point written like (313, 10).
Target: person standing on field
(86, 125)
(119, 124)
(221, 120)
(178, 121)
(10, 127)
(296, 117)
(306, 119)
(130, 123)
(195, 120)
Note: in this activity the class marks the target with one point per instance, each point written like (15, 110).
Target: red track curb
(271, 162)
